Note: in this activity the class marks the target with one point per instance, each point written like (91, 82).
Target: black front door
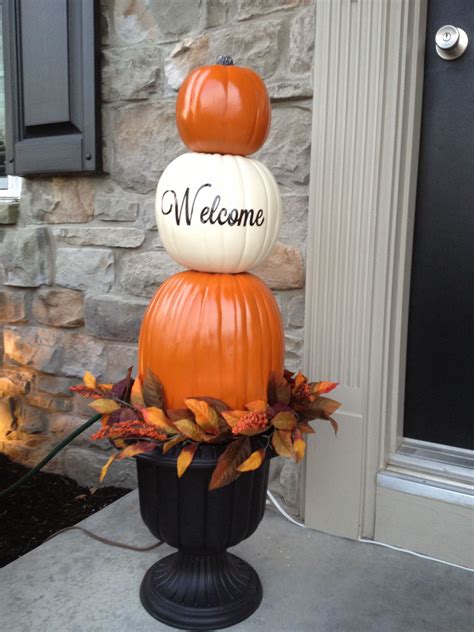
(439, 396)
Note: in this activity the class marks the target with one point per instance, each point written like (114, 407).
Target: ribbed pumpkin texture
(213, 335)
(224, 110)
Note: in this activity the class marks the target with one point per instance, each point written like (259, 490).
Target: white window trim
(13, 190)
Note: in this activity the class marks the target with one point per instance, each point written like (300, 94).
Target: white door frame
(368, 80)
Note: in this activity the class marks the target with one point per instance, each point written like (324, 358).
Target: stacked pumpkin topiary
(211, 401)
(216, 331)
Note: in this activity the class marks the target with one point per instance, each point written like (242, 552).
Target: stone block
(186, 55)
(114, 317)
(259, 46)
(84, 466)
(81, 268)
(294, 349)
(26, 257)
(285, 89)
(175, 18)
(12, 306)
(53, 384)
(143, 273)
(287, 152)
(300, 52)
(46, 401)
(135, 21)
(83, 353)
(119, 359)
(295, 310)
(81, 406)
(217, 12)
(9, 212)
(58, 201)
(32, 420)
(30, 450)
(291, 304)
(294, 228)
(283, 268)
(59, 308)
(36, 347)
(130, 74)
(62, 425)
(247, 9)
(149, 214)
(91, 236)
(113, 209)
(289, 481)
(14, 382)
(143, 140)
(129, 22)
(284, 482)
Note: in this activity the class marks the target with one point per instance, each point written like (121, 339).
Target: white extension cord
(365, 541)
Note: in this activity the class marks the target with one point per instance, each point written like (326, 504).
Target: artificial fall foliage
(136, 420)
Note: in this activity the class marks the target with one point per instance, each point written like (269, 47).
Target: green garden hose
(51, 454)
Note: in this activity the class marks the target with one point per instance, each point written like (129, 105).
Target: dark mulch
(43, 505)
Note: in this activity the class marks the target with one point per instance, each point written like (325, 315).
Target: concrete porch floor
(312, 583)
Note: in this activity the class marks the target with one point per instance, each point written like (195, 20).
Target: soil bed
(41, 506)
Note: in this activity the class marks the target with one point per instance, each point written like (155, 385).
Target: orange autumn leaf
(172, 442)
(278, 391)
(89, 380)
(185, 458)
(105, 406)
(300, 379)
(157, 418)
(254, 461)
(136, 448)
(299, 445)
(191, 430)
(226, 469)
(106, 387)
(120, 443)
(258, 406)
(136, 396)
(334, 425)
(104, 420)
(319, 388)
(322, 408)
(305, 428)
(105, 468)
(233, 417)
(153, 393)
(206, 417)
(282, 443)
(284, 421)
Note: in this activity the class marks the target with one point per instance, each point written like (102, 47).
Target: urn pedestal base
(201, 587)
(201, 592)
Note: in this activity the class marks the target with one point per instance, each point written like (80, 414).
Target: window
(51, 76)
(10, 186)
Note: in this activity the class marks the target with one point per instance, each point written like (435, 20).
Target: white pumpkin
(218, 213)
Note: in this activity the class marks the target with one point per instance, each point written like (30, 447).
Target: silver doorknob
(451, 42)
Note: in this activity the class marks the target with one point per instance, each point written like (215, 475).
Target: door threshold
(430, 464)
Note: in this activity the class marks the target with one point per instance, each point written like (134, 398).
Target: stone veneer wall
(81, 256)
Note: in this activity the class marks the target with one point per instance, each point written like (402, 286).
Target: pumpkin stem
(225, 60)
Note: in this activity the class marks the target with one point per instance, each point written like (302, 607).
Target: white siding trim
(366, 116)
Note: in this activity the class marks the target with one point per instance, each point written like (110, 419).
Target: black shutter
(52, 78)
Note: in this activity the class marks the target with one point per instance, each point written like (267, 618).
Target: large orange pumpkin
(213, 335)
(223, 109)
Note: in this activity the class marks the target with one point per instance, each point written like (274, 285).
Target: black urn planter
(201, 587)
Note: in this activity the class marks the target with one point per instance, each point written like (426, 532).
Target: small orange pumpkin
(212, 335)
(223, 109)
